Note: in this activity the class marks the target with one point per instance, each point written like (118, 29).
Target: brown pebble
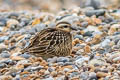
(16, 58)
(101, 74)
(25, 72)
(87, 49)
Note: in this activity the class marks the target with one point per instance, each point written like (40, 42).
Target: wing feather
(48, 42)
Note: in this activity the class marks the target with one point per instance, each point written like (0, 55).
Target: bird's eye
(65, 26)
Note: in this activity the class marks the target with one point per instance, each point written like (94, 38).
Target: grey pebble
(52, 60)
(34, 68)
(50, 69)
(24, 21)
(61, 78)
(31, 31)
(92, 76)
(63, 59)
(39, 27)
(5, 54)
(66, 69)
(84, 76)
(105, 43)
(78, 36)
(50, 78)
(2, 65)
(93, 3)
(8, 61)
(99, 12)
(3, 22)
(89, 33)
(84, 24)
(25, 55)
(13, 74)
(60, 63)
(2, 38)
(13, 15)
(73, 74)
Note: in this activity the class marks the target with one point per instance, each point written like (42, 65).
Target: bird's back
(50, 42)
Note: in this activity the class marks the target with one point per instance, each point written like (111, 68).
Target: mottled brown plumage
(51, 42)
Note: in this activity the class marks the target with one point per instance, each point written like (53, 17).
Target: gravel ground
(96, 45)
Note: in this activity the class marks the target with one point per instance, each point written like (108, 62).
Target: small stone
(47, 72)
(101, 74)
(91, 29)
(2, 65)
(96, 39)
(87, 49)
(50, 69)
(17, 58)
(105, 42)
(66, 69)
(54, 74)
(88, 34)
(3, 21)
(5, 54)
(93, 3)
(52, 60)
(99, 12)
(50, 78)
(13, 74)
(2, 47)
(39, 27)
(84, 24)
(13, 15)
(11, 22)
(79, 37)
(60, 63)
(92, 76)
(81, 61)
(25, 55)
(114, 28)
(96, 61)
(2, 38)
(84, 76)
(34, 68)
(35, 21)
(63, 59)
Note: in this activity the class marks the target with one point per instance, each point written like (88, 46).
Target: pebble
(3, 22)
(97, 61)
(84, 24)
(90, 13)
(84, 76)
(63, 59)
(25, 55)
(5, 54)
(93, 3)
(92, 76)
(81, 61)
(39, 27)
(105, 42)
(3, 38)
(88, 34)
(2, 47)
(78, 36)
(11, 22)
(101, 74)
(2, 65)
(34, 68)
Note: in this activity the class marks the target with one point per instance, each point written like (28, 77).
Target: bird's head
(65, 26)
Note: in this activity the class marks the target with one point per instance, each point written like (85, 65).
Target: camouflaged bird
(52, 42)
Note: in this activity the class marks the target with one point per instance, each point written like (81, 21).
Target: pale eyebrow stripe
(63, 23)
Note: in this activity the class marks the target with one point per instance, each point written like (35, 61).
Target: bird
(51, 42)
